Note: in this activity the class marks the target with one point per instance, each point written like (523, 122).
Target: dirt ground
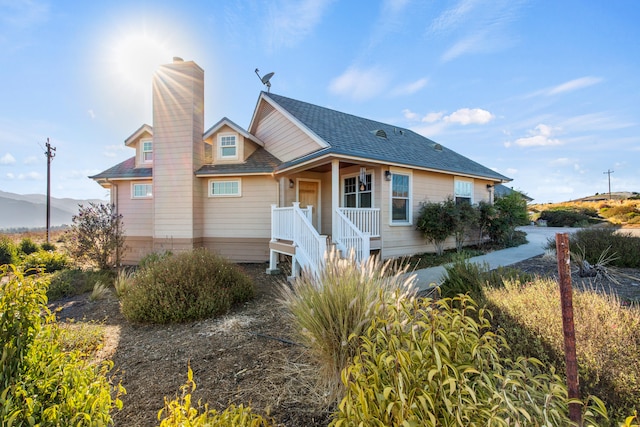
(245, 357)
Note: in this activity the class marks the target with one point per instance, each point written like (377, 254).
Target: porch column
(335, 195)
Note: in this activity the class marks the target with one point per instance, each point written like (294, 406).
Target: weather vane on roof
(265, 79)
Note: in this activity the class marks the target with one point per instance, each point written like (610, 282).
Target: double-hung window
(400, 199)
(147, 151)
(225, 188)
(142, 191)
(228, 147)
(357, 193)
(463, 191)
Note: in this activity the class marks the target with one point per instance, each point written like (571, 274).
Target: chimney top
(177, 59)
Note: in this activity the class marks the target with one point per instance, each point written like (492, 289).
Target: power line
(609, 172)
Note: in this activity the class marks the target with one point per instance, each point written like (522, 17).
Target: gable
(283, 135)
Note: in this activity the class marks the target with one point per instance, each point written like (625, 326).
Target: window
(224, 188)
(463, 191)
(228, 148)
(357, 194)
(147, 151)
(142, 191)
(400, 199)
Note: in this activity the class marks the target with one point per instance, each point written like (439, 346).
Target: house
(300, 177)
(503, 191)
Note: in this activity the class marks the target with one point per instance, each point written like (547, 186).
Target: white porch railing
(350, 239)
(282, 221)
(294, 223)
(366, 220)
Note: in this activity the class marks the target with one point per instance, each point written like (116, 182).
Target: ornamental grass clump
(437, 363)
(328, 311)
(607, 338)
(187, 286)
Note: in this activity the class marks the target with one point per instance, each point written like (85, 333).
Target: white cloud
(410, 88)
(466, 116)
(561, 161)
(511, 171)
(91, 113)
(291, 21)
(410, 115)
(574, 85)
(112, 151)
(7, 159)
(30, 160)
(11, 175)
(432, 117)
(359, 84)
(541, 136)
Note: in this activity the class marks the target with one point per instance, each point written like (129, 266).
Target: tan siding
(137, 214)
(136, 248)
(248, 216)
(283, 139)
(239, 249)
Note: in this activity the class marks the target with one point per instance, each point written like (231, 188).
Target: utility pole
(50, 155)
(609, 172)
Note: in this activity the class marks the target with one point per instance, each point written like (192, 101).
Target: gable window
(357, 194)
(400, 199)
(225, 188)
(463, 191)
(227, 147)
(147, 151)
(142, 191)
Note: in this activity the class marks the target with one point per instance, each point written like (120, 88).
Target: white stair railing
(366, 220)
(282, 221)
(350, 239)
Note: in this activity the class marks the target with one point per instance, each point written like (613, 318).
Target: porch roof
(259, 162)
(123, 170)
(350, 135)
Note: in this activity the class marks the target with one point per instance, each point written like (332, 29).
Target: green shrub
(466, 277)
(45, 261)
(28, 246)
(181, 412)
(66, 283)
(40, 383)
(595, 241)
(46, 246)
(607, 338)
(569, 216)
(326, 311)
(8, 251)
(426, 363)
(187, 286)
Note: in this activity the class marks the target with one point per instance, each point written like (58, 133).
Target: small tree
(511, 211)
(466, 217)
(436, 222)
(97, 235)
(485, 214)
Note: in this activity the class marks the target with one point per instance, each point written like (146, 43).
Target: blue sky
(545, 92)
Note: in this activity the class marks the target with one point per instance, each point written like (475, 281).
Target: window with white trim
(142, 191)
(227, 146)
(463, 191)
(356, 193)
(225, 188)
(400, 199)
(147, 151)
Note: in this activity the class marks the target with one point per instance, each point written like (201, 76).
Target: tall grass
(329, 310)
(607, 338)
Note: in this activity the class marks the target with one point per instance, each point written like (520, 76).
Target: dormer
(142, 141)
(226, 142)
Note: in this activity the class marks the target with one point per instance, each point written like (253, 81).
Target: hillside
(30, 210)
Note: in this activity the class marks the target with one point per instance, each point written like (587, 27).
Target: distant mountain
(30, 210)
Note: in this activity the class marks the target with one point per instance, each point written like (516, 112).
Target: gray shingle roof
(260, 161)
(356, 136)
(125, 169)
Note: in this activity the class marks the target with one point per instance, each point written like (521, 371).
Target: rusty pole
(568, 329)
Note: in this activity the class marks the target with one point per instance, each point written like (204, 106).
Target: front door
(309, 194)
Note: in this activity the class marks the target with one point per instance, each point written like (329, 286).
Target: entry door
(309, 194)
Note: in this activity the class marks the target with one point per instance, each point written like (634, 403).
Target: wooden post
(568, 329)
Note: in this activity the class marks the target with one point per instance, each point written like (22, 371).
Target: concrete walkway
(537, 237)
